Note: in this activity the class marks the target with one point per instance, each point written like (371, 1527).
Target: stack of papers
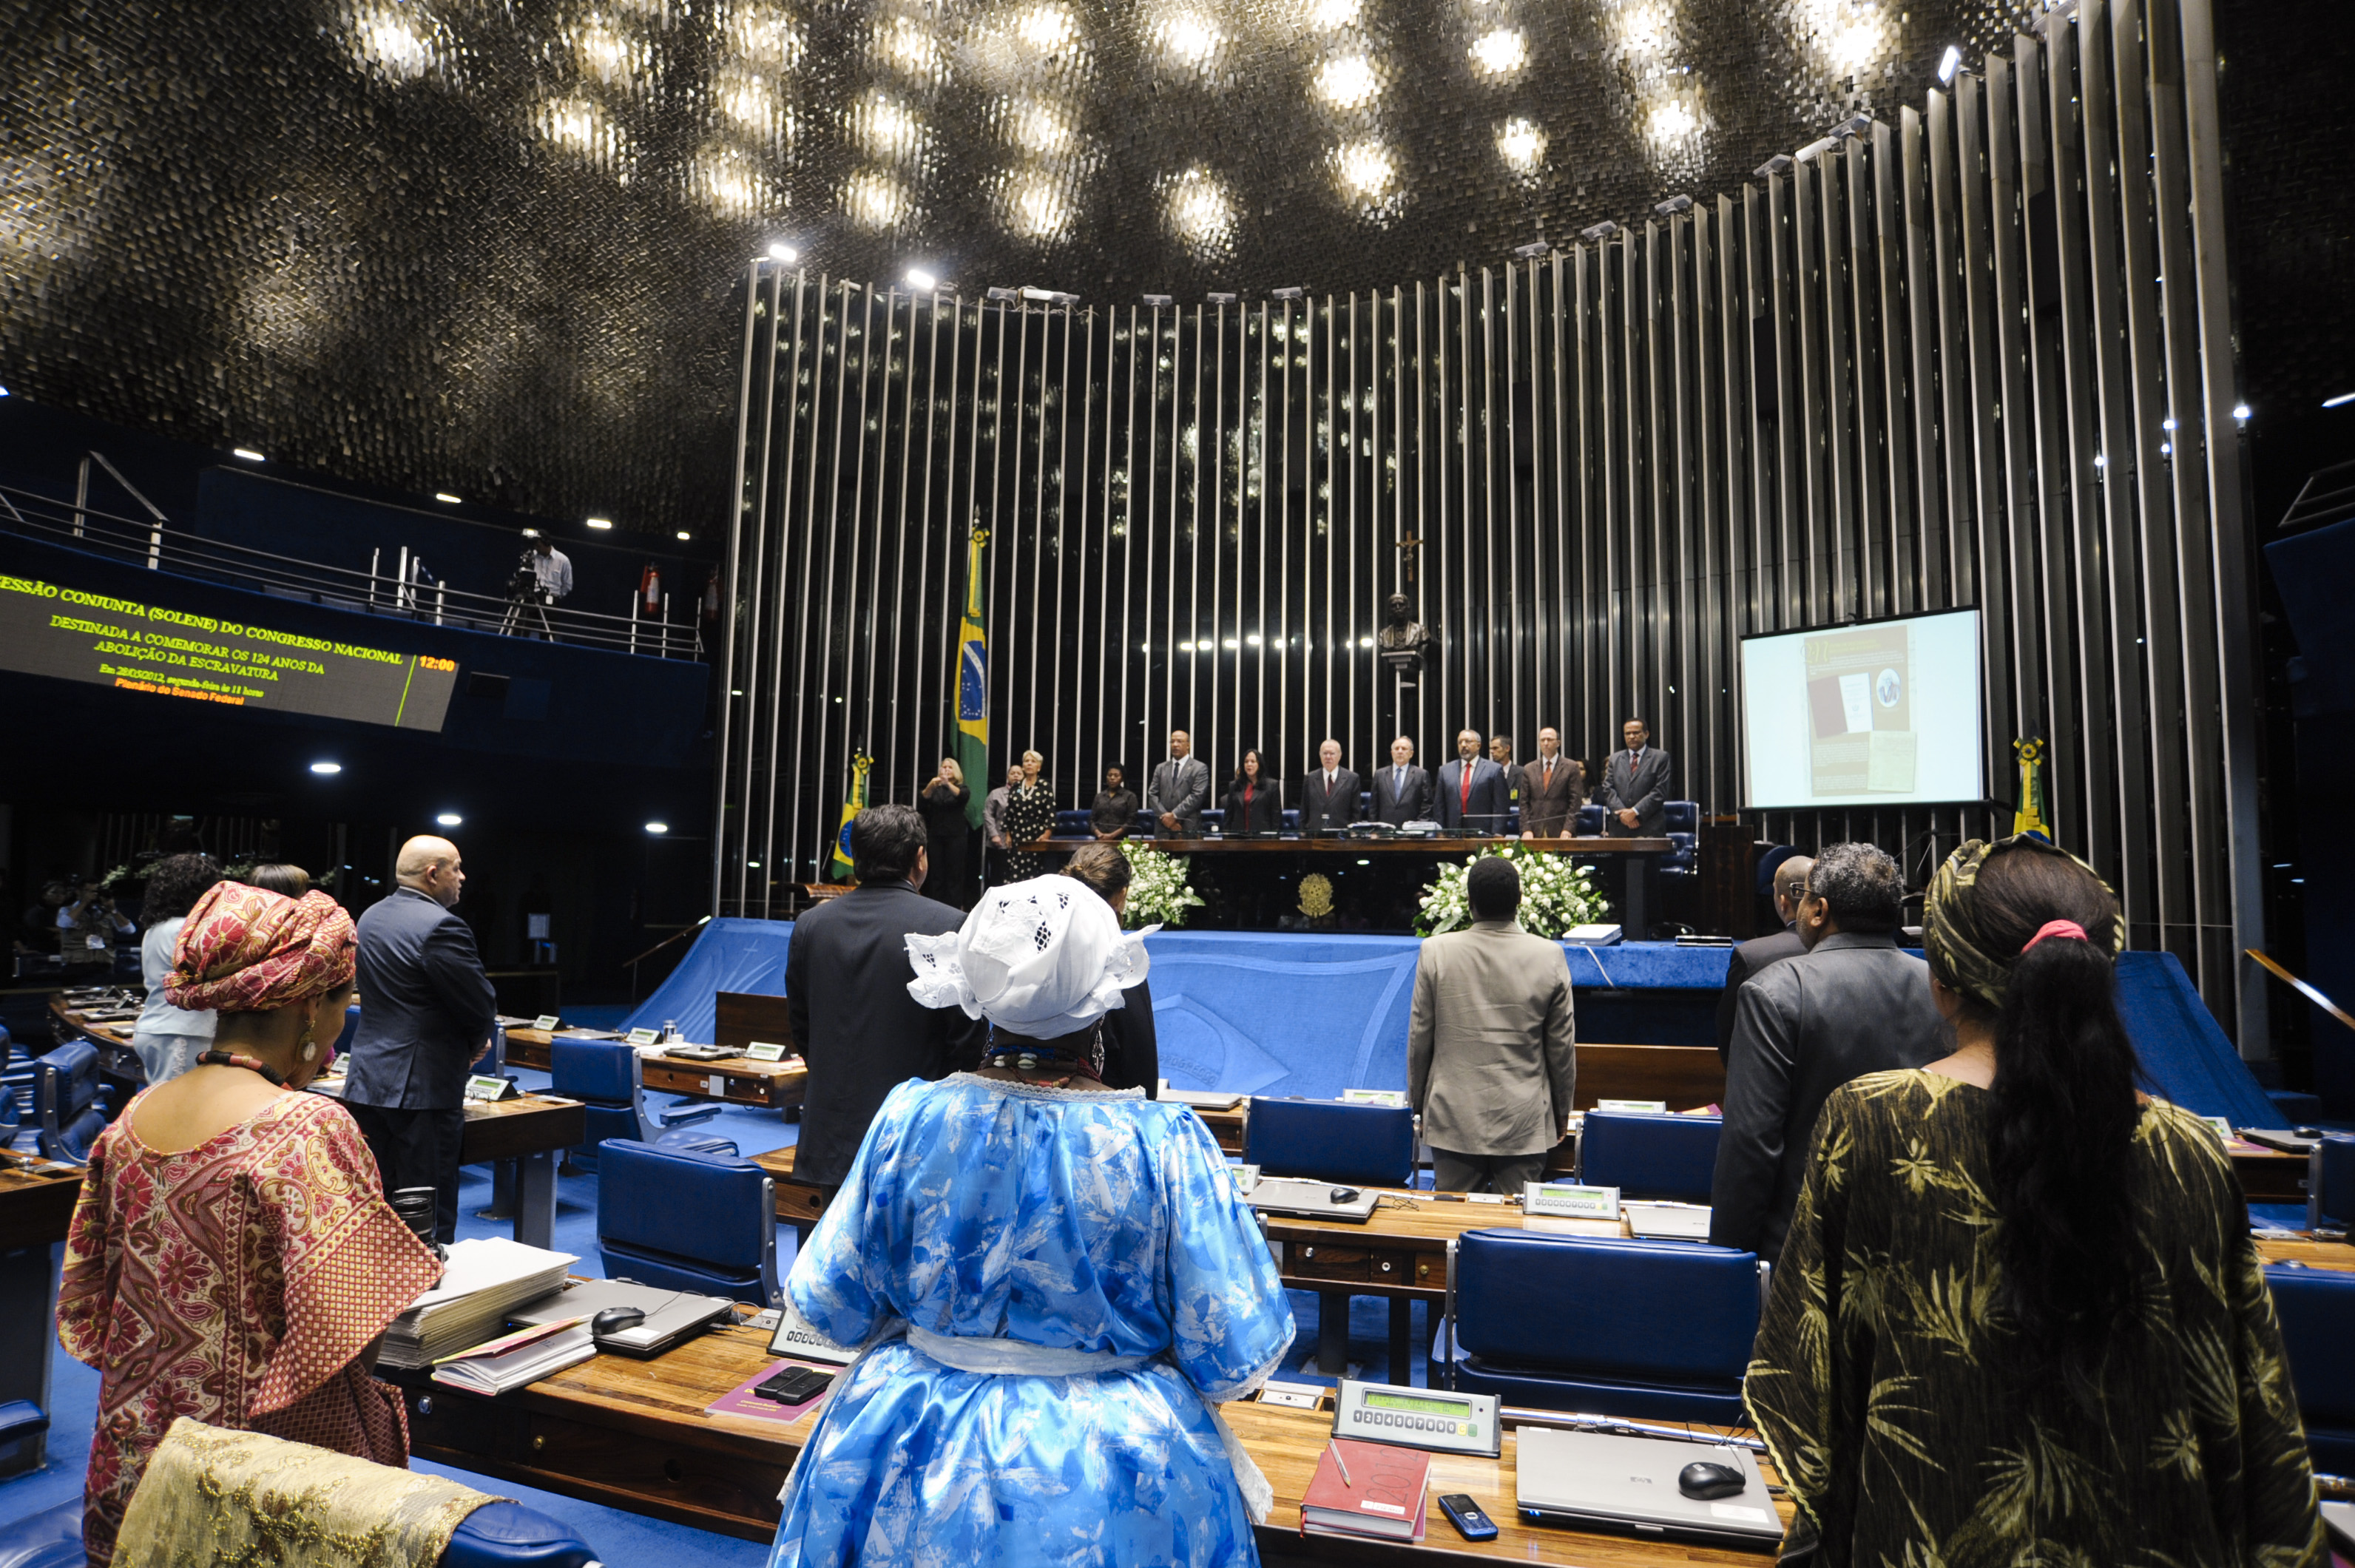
(512, 1361)
(483, 1278)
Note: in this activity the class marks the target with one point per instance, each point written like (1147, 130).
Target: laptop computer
(1664, 1221)
(1309, 1199)
(1629, 1485)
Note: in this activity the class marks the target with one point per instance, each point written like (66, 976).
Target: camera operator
(551, 569)
(543, 575)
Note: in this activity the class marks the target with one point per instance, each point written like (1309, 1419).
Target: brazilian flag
(973, 685)
(837, 870)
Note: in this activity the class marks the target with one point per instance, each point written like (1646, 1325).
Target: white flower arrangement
(1158, 891)
(1555, 894)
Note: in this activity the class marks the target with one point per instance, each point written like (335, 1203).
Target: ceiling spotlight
(1156, 301)
(1949, 63)
(1780, 163)
(657, 826)
(1854, 125)
(1673, 206)
(2341, 398)
(445, 496)
(1534, 251)
(1599, 233)
(1042, 296)
(1002, 295)
(3, 391)
(245, 451)
(323, 769)
(1286, 294)
(449, 819)
(781, 251)
(684, 535)
(920, 279)
(599, 522)
(1220, 298)
(2241, 411)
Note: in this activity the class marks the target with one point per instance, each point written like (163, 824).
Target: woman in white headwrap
(1053, 1283)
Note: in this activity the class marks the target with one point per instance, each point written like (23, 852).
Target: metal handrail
(370, 592)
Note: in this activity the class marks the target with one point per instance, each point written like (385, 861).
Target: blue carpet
(615, 1536)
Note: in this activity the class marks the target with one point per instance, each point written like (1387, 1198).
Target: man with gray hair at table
(1491, 1044)
(1853, 1003)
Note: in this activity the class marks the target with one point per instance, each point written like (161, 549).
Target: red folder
(1383, 1495)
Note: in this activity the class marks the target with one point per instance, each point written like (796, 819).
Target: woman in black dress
(1029, 815)
(946, 835)
(1252, 804)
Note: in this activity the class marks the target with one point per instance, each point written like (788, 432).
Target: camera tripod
(524, 607)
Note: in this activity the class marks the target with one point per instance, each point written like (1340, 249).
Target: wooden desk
(520, 1140)
(634, 1434)
(737, 1079)
(36, 1202)
(2268, 1174)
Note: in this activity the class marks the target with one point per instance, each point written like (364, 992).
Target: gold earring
(310, 1047)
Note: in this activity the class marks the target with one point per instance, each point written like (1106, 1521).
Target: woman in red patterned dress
(232, 1257)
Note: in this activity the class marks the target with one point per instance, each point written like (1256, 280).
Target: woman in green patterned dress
(2020, 1318)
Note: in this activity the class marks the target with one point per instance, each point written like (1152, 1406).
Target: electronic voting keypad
(1437, 1419)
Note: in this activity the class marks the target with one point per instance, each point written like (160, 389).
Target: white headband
(1041, 958)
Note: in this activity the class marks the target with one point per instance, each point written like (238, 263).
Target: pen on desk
(1339, 1463)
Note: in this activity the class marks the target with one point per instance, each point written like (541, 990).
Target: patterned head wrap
(246, 950)
(1951, 933)
(1043, 959)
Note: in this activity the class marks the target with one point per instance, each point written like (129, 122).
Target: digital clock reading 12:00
(72, 635)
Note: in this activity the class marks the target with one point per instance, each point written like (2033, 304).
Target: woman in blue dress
(1053, 1284)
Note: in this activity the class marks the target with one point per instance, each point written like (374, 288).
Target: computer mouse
(613, 1319)
(1343, 1195)
(1703, 1479)
(2307, 1132)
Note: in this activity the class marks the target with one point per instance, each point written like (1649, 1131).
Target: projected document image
(1861, 723)
(1886, 714)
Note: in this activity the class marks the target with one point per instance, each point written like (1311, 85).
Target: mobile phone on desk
(794, 1385)
(1466, 1516)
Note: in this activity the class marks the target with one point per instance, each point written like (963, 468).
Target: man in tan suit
(1491, 1049)
(1557, 789)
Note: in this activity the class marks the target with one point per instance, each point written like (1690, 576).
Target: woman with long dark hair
(2019, 1316)
(1252, 804)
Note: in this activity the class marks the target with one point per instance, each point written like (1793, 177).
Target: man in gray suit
(426, 1015)
(1180, 786)
(1491, 1046)
(1328, 796)
(1402, 790)
(1853, 1003)
(1634, 792)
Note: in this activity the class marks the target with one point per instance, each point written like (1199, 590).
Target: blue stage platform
(1278, 1013)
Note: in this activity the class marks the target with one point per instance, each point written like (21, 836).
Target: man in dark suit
(1754, 956)
(846, 975)
(1634, 792)
(1517, 778)
(1556, 786)
(1402, 790)
(1471, 789)
(1181, 787)
(426, 1015)
(1329, 798)
(1853, 1003)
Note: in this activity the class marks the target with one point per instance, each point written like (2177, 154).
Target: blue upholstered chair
(497, 1535)
(1680, 819)
(608, 1079)
(1650, 1156)
(1643, 1330)
(1361, 1145)
(1216, 816)
(681, 1221)
(1073, 824)
(21, 1425)
(2330, 1184)
(1145, 824)
(1290, 819)
(1590, 821)
(73, 1104)
(1365, 805)
(2316, 1310)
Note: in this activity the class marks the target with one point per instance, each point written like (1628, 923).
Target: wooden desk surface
(740, 1080)
(37, 1203)
(634, 1435)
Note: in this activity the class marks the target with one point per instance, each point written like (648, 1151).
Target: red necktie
(1467, 786)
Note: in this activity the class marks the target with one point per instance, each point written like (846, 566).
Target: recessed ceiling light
(921, 279)
(601, 522)
(445, 496)
(248, 454)
(449, 819)
(684, 535)
(781, 251)
(2341, 398)
(324, 768)
(657, 826)
(2240, 410)
(1949, 63)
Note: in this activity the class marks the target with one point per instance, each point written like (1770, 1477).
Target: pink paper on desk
(741, 1401)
